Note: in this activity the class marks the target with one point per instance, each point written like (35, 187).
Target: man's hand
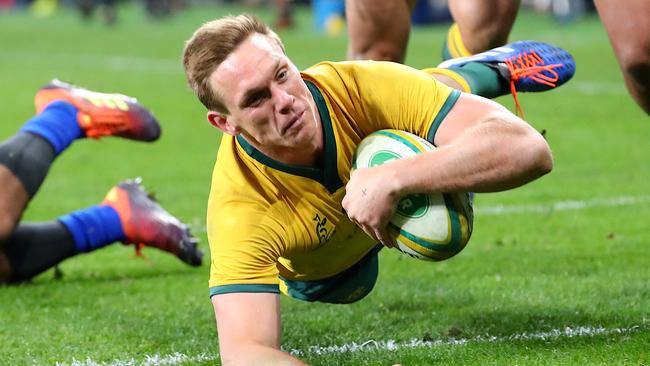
(370, 199)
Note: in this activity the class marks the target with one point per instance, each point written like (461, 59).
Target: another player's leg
(284, 14)
(479, 25)
(65, 113)
(109, 11)
(25, 159)
(36, 247)
(628, 28)
(24, 162)
(378, 29)
(127, 215)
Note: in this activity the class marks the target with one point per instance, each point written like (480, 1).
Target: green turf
(522, 273)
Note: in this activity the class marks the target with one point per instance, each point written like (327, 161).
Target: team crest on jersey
(324, 228)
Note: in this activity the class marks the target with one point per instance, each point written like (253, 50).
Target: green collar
(327, 175)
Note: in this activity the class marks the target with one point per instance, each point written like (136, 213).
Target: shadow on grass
(53, 278)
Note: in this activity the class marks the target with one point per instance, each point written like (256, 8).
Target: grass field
(556, 272)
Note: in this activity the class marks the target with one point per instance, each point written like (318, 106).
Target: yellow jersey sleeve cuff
(446, 107)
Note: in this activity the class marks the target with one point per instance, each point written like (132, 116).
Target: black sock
(29, 157)
(35, 247)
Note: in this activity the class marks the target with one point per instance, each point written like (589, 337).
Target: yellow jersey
(267, 220)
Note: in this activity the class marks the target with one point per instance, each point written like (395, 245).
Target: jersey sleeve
(244, 246)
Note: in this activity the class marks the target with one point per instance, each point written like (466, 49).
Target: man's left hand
(370, 200)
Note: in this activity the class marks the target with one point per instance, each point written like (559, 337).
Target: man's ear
(220, 121)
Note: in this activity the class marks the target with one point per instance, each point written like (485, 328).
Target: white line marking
(110, 62)
(154, 360)
(372, 345)
(154, 65)
(569, 205)
(596, 87)
(497, 210)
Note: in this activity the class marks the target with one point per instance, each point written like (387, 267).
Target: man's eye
(257, 99)
(282, 75)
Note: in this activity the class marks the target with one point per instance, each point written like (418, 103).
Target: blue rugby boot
(525, 66)
(528, 66)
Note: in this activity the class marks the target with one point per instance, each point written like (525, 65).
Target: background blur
(326, 13)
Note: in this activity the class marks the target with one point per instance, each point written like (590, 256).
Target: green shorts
(346, 287)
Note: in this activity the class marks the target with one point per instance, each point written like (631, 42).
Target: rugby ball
(431, 227)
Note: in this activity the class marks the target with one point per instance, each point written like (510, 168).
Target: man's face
(267, 101)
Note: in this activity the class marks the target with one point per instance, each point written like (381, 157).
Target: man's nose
(285, 100)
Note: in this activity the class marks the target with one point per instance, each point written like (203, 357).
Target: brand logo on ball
(414, 205)
(381, 157)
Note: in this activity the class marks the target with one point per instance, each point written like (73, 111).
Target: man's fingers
(380, 235)
(384, 238)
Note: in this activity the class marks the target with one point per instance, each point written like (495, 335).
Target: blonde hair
(210, 45)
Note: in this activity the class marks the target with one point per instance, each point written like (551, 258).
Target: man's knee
(7, 225)
(375, 46)
(379, 47)
(635, 64)
(5, 268)
(383, 51)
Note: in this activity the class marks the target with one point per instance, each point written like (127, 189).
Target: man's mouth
(294, 122)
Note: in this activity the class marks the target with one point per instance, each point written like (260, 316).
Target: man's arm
(482, 147)
(249, 329)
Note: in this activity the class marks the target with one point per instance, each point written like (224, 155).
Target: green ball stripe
(394, 134)
(453, 244)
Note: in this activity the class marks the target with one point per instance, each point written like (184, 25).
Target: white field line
(569, 205)
(497, 210)
(143, 64)
(110, 62)
(585, 87)
(153, 360)
(372, 345)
